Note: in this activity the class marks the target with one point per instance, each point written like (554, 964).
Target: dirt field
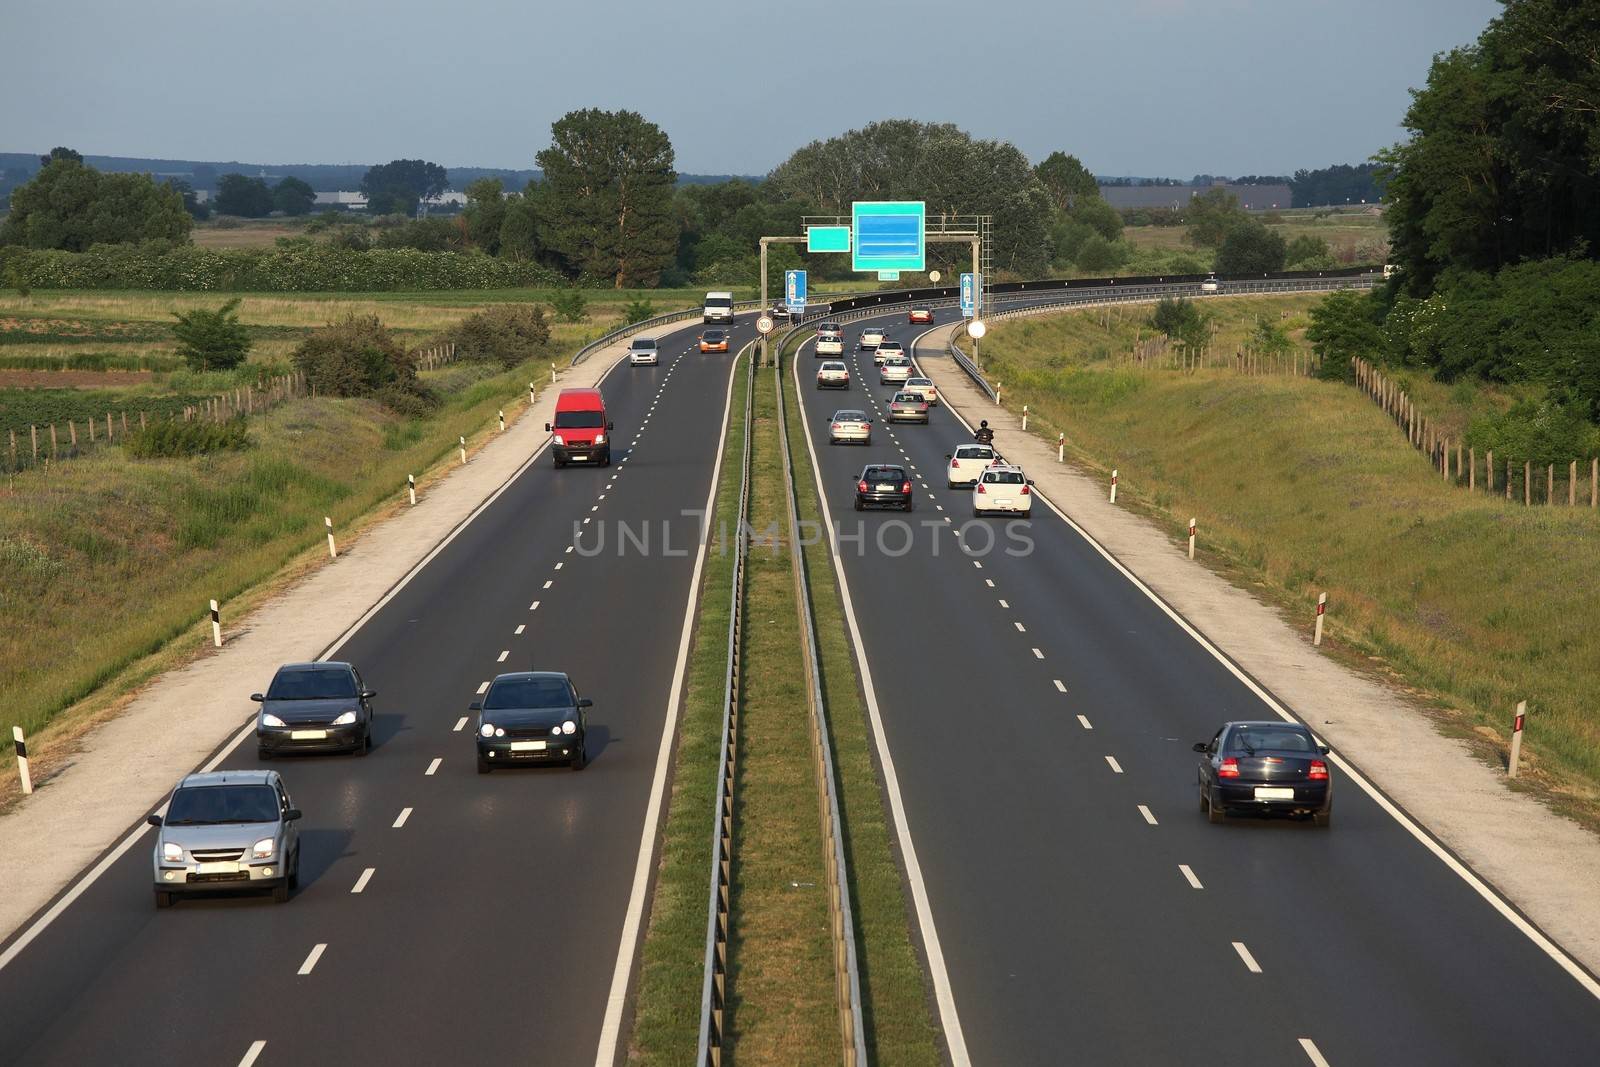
(73, 379)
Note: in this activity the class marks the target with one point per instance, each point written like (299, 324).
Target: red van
(580, 429)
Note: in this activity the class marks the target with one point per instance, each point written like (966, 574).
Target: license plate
(226, 867)
(528, 746)
(579, 456)
(1264, 793)
(1003, 503)
(308, 735)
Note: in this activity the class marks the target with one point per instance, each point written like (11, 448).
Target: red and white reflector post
(1322, 609)
(23, 773)
(216, 624)
(333, 550)
(1516, 738)
(530, 394)
(1113, 486)
(502, 420)
(411, 487)
(1191, 539)
(1061, 448)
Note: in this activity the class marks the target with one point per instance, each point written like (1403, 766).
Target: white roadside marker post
(552, 372)
(411, 487)
(1061, 448)
(1113, 485)
(1322, 608)
(1024, 418)
(333, 550)
(1516, 738)
(502, 420)
(530, 394)
(1191, 539)
(23, 773)
(216, 625)
(463, 443)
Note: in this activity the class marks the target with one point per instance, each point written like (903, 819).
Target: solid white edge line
(1189, 876)
(1249, 960)
(944, 996)
(361, 883)
(1309, 1047)
(311, 960)
(252, 1053)
(400, 820)
(1495, 900)
(616, 999)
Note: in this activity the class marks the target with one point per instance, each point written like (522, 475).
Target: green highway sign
(889, 235)
(827, 238)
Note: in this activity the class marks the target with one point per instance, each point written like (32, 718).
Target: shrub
(174, 438)
(358, 356)
(638, 311)
(1251, 248)
(570, 306)
(1096, 253)
(1343, 326)
(212, 340)
(1307, 248)
(1537, 431)
(507, 333)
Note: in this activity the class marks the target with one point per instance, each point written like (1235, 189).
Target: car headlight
(569, 727)
(561, 441)
(171, 852)
(269, 719)
(263, 849)
(347, 719)
(486, 730)
(599, 438)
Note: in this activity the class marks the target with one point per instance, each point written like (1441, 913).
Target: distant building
(1251, 197)
(351, 201)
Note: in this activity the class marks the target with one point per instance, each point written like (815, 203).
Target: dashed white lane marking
(1310, 1048)
(252, 1053)
(1005, 605)
(1060, 685)
(534, 606)
(434, 766)
(518, 631)
(560, 565)
(932, 497)
(595, 508)
(586, 519)
(483, 688)
(977, 564)
(1083, 721)
(1189, 875)
(548, 584)
(461, 724)
(1038, 654)
(602, 496)
(1149, 816)
(400, 820)
(987, 581)
(569, 550)
(1021, 629)
(503, 656)
(939, 506)
(1249, 960)
(361, 883)
(311, 960)
(1116, 768)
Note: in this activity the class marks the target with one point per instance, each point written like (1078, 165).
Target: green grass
(1303, 486)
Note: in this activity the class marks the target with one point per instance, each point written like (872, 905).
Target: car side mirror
(291, 815)
(1200, 746)
(476, 705)
(948, 456)
(611, 426)
(547, 427)
(1322, 749)
(153, 820)
(368, 694)
(1030, 481)
(257, 697)
(585, 702)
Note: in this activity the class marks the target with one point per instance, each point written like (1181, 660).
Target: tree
(607, 195)
(519, 233)
(396, 187)
(191, 203)
(246, 197)
(1067, 180)
(1306, 248)
(61, 153)
(1338, 184)
(485, 214)
(1251, 248)
(1344, 326)
(212, 340)
(70, 205)
(293, 196)
(1213, 214)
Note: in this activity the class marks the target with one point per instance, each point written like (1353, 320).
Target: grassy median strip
(896, 997)
(666, 1025)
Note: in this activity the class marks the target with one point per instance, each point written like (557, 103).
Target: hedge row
(318, 268)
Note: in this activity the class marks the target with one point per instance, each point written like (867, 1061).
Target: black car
(1265, 767)
(884, 485)
(314, 707)
(532, 717)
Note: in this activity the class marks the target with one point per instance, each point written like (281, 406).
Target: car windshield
(830, 327)
(907, 398)
(833, 366)
(211, 805)
(974, 452)
(528, 693)
(719, 302)
(712, 335)
(1003, 478)
(849, 416)
(885, 474)
(320, 684)
(1250, 739)
(578, 420)
(644, 342)
(919, 382)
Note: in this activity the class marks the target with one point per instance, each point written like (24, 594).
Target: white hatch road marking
(1310, 1048)
(311, 960)
(1083, 721)
(434, 766)
(482, 689)
(361, 883)
(503, 656)
(1021, 629)
(252, 1053)
(1249, 960)
(1038, 654)
(1189, 875)
(1149, 816)
(461, 724)
(534, 606)
(1116, 768)
(400, 820)
(1005, 605)
(549, 583)
(1060, 686)
(518, 631)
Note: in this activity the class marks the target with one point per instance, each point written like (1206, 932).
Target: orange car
(920, 315)
(714, 341)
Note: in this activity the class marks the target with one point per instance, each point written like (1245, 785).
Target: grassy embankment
(1303, 486)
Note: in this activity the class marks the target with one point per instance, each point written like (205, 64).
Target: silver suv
(227, 830)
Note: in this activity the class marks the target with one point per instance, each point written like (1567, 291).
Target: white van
(719, 308)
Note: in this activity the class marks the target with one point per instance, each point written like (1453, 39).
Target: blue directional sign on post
(889, 235)
(971, 295)
(794, 291)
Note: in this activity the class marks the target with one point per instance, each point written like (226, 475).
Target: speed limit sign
(764, 324)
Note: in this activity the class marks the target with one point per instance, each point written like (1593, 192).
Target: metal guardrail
(841, 914)
(713, 996)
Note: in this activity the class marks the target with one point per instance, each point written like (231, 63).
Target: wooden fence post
(72, 430)
(1572, 485)
(1508, 479)
(108, 426)
(1472, 469)
(141, 420)
(1527, 483)
(13, 447)
(124, 424)
(33, 432)
(91, 431)
(1460, 455)
(1550, 484)
(52, 440)
(1594, 482)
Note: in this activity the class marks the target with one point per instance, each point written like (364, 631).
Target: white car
(871, 338)
(642, 352)
(1002, 488)
(896, 370)
(850, 425)
(886, 351)
(1211, 285)
(830, 340)
(924, 388)
(966, 463)
(833, 374)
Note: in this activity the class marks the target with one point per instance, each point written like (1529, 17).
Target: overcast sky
(1150, 87)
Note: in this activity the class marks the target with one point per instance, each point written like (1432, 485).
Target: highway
(462, 919)
(1038, 711)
